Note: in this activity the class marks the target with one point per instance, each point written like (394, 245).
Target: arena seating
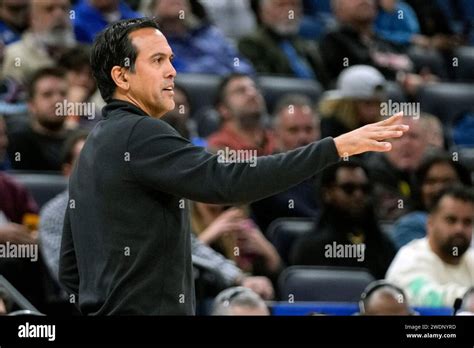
(42, 186)
(283, 232)
(330, 284)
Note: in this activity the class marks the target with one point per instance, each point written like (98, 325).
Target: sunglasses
(350, 188)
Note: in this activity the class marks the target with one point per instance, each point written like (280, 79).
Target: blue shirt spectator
(204, 49)
(399, 25)
(89, 20)
(7, 34)
(409, 227)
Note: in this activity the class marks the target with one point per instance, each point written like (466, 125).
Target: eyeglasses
(349, 188)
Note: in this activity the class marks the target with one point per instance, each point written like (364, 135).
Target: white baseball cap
(360, 82)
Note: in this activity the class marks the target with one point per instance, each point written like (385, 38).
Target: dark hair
(431, 159)
(113, 47)
(67, 150)
(221, 92)
(40, 74)
(328, 176)
(75, 58)
(458, 192)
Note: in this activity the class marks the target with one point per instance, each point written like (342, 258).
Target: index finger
(391, 120)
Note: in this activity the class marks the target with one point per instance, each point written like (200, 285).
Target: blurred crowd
(411, 209)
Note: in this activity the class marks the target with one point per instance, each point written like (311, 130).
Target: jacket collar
(122, 105)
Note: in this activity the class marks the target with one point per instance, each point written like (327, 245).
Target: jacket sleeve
(68, 272)
(165, 161)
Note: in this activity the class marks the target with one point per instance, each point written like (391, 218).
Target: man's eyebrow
(161, 54)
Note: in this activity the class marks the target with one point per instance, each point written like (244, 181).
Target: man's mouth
(169, 88)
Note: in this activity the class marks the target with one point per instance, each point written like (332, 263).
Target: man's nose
(171, 73)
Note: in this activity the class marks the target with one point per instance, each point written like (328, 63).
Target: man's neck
(364, 29)
(130, 99)
(253, 135)
(446, 258)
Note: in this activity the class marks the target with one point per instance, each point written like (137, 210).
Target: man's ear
(223, 112)
(120, 77)
(326, 195)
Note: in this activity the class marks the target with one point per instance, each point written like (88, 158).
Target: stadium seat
(43, 187)
(464, 72)
(274, 87)
(395, 92)
(431, 59)
(313, 283)
(283, 232)
(446, 100)
(201, 88)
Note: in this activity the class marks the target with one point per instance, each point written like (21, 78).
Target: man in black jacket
(126, 242)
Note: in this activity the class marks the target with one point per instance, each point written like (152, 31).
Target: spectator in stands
(230, 274)
(317, 19)
(436, 270)
(435, 24)
(437, 171)
(356, 101)
(234, 18)
(393, 174)
(198, 46)
(13, 19)
(397, 22)
(242, 109)
(276, 48)
(17, 210)
(82, 87)
(92, 16)
(52, 214)
(232, 233)
(180, 117)
(50, 33)
(37, 145)
(354, 42)
(347, 233)
(15, 202)
(467, 306)
(239, 301)
(383, 298)
(296, 124)
(434, 131)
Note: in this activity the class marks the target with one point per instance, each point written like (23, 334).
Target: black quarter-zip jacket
(126, 246)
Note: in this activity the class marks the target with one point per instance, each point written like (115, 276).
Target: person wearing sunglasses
(347, 233)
